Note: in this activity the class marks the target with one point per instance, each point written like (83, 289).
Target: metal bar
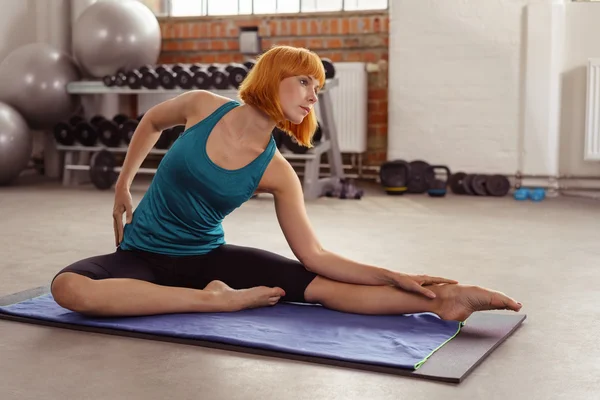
(116, 169)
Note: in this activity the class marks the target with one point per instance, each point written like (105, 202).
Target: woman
(171, 255)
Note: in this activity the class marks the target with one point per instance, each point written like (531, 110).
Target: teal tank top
(189, 196)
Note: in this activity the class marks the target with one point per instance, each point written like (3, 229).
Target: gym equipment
(278, 135)
(394, 176)
(127, 129)
(16, 143)
(290, 143)
(237, 74)
(329, 68)
(166, 77)
(164, 140)
(417, 182)
(346, 190)
(102, 169)
(112, 133)
(64, 131)
(33, 79)
(537, 194)
(413, 345)
(521, 194)
(249, 64)
(218, 77)
(318, 135)
(497, 185)
(478, 184)
(466, 184)
(456, 184)
(437, 187)
(109, 35)
(175, 132)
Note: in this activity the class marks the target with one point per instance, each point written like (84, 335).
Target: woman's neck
(251, 125)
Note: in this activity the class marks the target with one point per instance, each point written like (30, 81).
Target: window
(187, 8)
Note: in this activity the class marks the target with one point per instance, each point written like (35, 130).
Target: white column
(540, 139)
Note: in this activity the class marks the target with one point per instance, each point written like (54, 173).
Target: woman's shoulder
(203, 102)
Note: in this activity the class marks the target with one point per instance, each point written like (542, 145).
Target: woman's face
(297, 96)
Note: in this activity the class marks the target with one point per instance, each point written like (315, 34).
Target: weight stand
(313, 186)
(77, 158)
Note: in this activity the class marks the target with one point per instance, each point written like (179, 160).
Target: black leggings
(236, 266)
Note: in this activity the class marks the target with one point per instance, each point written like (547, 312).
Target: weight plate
(108, 134)
(394, 175)
(456, 183)
(86, 134)
(278, 136)
(478, 185)
(127, 130)
(63, 133)
(318, 136)
(497, 185)
(417, 182)
(292, 145)
(102, 170)
(466, 184)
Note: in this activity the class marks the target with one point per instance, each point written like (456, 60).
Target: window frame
(168, 4)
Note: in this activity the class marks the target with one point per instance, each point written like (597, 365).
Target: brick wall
(361, 36)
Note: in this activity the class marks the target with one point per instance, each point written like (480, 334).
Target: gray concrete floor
(543, 254)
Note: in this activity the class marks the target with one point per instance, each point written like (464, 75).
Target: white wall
(487, 86)
(17, 25)
(455, 82)
(582, 41)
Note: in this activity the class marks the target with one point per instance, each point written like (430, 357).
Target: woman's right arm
(175, 111)
(169, 113)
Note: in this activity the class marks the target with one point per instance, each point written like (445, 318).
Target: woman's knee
(69, 291)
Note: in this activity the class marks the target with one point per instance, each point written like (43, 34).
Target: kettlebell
(394, 176)
(521, 194)
(537, 194)
(437, 187)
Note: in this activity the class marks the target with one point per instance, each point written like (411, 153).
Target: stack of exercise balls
(107, 36)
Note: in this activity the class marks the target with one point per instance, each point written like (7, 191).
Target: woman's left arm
(296, 227)
(294, 222)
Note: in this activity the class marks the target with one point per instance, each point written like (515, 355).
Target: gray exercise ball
(109, 35)
(34, 78)
(16, 143)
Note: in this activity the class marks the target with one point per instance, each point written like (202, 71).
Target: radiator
(592, 121)
(349, 99)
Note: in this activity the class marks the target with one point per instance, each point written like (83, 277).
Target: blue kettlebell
(537, 194)
(521, 194)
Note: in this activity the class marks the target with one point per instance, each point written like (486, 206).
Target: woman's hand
(123, 204)
(415, 283)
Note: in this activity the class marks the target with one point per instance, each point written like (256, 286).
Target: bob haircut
(260, 88)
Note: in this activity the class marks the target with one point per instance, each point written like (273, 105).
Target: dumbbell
(219, 77)
(329, 68)
(126, 127)
(193, 76)
(135, 79)
(86, 132)
(236, 74)
(164, 140)
(101, 129)
(249, 64)
(64, 132)
(166, 77)
(119, 79)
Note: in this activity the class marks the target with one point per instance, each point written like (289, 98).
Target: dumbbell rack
(77, 157)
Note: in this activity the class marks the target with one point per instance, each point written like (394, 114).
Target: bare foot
(235, 300)
(458, 302)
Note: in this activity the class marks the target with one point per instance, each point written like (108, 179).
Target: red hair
(260, 88)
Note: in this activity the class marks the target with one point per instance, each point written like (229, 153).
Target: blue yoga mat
(402, 341)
